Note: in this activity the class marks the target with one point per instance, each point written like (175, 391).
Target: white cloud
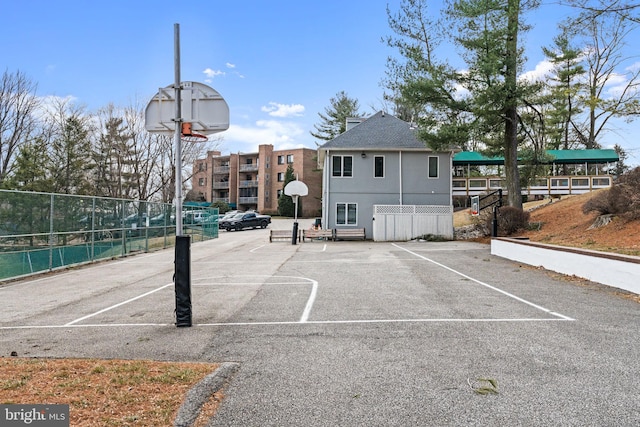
(539, 73)
(283, 110)
(280, 134)
(230, 65)
(50, 105)
(633, 67)
(213, 73)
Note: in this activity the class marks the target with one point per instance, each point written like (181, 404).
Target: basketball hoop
(188, 136)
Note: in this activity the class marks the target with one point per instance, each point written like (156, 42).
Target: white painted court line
(300, 281)
(255, 249)
(285, 323)
(485, 284)
(310, 301)
(374, 321)
(117, 305)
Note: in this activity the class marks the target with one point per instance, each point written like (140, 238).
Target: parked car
(245, 220)
(227, 216)
(196, 217)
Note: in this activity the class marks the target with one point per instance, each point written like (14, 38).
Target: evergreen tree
(564, 86)
(477, 106)
(334, 121)
(69, 158)
(621, 167)
(31, 167)
(114, 175)
(286, 207)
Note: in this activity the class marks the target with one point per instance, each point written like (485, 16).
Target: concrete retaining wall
(620, 271)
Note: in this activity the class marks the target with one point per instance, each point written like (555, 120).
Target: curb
(199, 394)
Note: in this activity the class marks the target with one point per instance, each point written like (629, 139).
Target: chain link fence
(42, 231)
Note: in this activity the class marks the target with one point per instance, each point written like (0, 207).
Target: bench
(282, 235)
(349, 233)
(317, 234)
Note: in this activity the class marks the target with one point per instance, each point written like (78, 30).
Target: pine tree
(69, 154)
(564, 87)
(334, 121)
(31, 168)
(286, 207)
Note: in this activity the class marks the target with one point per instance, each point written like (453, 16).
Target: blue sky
(277, 63)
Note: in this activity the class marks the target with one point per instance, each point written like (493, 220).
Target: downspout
(451, 177)
(400, 172)
(325, 199)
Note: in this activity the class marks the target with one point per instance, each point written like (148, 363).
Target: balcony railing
(220, 199)
(245, 184)
(248, 168)
(221, 169)
(248, 200)
(220, 185)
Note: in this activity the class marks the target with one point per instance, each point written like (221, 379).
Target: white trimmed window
(342, 166)
(378, 166)
(433, 167)
(280, 176)
(346, 214)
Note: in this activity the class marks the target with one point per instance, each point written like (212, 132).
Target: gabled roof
(380, 131)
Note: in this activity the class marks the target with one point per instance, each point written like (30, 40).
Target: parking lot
(352, 333)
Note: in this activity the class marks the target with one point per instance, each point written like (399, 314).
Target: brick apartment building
(256, 180)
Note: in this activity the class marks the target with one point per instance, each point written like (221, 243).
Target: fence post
(51, 232)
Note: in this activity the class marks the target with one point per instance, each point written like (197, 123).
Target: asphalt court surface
(352, 333)
(318, 282)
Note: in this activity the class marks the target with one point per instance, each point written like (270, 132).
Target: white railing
(552, 185)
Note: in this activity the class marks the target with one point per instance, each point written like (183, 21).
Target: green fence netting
(43, 231)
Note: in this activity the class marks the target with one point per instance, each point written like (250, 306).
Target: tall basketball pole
(182, 276)
(177, 140)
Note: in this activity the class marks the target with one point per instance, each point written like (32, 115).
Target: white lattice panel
(406, 222)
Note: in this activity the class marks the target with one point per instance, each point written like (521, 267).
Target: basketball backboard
(202, 106)
(296, 188)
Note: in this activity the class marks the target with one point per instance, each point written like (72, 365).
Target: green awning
(464, 158)
(583, 156)
(475, 158)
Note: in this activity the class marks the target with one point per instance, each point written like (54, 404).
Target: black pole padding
(182, 280)
(294, 234)
(494, 223)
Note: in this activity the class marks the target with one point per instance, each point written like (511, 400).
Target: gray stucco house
(379, 161)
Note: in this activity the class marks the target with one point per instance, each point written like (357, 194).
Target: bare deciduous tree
(17, 106)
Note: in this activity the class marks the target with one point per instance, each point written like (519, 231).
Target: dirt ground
(563, 223)
(106, 392)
